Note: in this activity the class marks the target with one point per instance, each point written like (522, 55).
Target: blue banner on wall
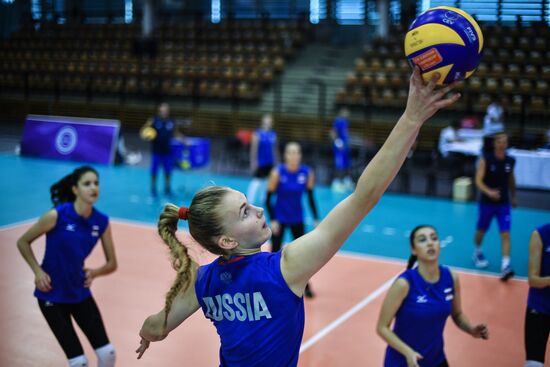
(70, 138)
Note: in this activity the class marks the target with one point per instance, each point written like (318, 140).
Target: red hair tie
(183, 213)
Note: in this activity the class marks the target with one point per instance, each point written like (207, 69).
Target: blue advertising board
(70, 138)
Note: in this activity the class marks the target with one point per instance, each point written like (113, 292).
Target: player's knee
(80, 361)
(106, 356)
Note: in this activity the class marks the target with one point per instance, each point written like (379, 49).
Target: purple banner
(70, 138)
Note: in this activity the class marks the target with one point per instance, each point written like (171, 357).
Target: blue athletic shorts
(488, 211)
(157, 160)
(341, 159)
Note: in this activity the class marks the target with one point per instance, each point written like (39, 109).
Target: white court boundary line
(346, 315)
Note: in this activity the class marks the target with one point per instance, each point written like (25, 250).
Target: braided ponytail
(181, 262)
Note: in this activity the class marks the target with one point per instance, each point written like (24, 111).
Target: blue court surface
(125, 195)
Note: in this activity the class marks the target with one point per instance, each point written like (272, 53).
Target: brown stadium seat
(513, 70)
(491, 85)
(525, 86)
(537, 105)
(508, 85)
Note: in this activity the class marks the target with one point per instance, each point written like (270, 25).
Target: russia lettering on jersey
(259, 319)
(240, 307)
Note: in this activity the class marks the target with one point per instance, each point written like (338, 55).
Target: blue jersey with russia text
(68, 244)
(165, 131)
(539, 298)
(266, 141)
(260, 321)
(420, 320)
(291, 186)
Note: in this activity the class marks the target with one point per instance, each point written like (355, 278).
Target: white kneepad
(80, 361)
(533, 364)
(106, 356)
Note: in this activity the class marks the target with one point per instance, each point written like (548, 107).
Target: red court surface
(340, 321)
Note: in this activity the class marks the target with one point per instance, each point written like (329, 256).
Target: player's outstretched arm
(309, 253)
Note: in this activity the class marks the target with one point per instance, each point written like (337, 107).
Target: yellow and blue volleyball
(148, 133)
(445, 40)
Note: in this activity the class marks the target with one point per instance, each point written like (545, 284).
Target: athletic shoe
(479, 260)
(338, 187)
(506, 274)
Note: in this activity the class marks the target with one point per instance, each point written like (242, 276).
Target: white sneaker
(480, 261)
(337, 186)
(348, 184)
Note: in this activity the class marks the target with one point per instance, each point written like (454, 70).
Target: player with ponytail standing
(72, 230)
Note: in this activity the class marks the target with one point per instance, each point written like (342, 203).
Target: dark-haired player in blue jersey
(264, 155)
(420, 300)
(289, 181)
(253, 298)
(72, 230)
(537, 317)
(496, 182)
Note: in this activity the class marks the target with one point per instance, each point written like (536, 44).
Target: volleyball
(445, 40)
(148, 133)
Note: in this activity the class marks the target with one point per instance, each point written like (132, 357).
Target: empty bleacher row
(515, 67)
(236, 59)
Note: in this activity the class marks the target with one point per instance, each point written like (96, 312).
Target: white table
(470, 134)
(471, 146)
(532, 168)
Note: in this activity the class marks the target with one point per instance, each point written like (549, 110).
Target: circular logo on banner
(66, 139)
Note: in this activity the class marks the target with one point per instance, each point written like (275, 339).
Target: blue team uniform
(292, 185)
(160, 146)
(539, 298)
(260, 321)
(341, 153)
(67, 246)
(420, 320)
(266, 142)
(497, 176)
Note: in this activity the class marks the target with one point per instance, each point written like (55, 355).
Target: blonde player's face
(293, 154)
(267, 122)
(87, 188)
(244, 222)
(426, 244)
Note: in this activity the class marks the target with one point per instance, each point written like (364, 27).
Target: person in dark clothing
(161, 155)
(496, 182)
